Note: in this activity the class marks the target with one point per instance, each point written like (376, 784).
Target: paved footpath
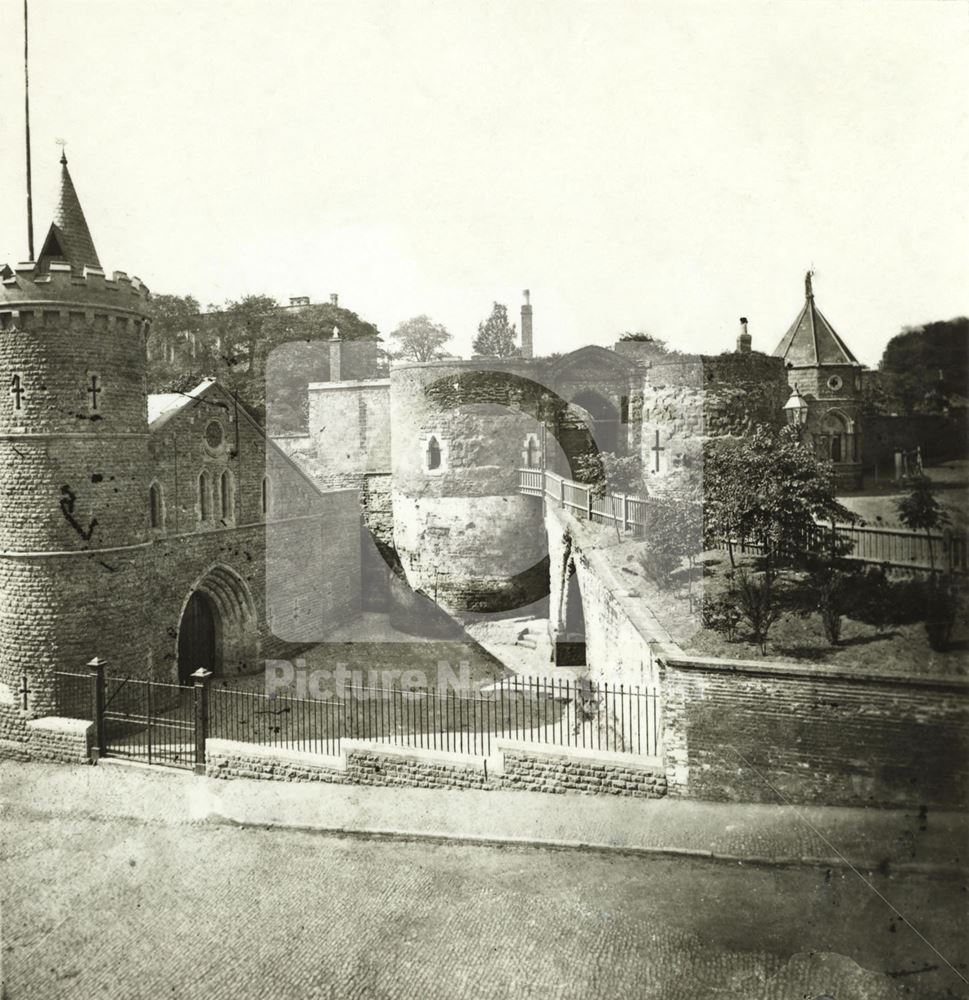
(869, 839)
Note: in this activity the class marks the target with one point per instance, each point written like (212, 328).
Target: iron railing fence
(604, 716)
(73, 695)
(149, 721)
(160, 723)
(891, 547)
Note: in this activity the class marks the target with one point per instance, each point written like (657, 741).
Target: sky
(637, 166)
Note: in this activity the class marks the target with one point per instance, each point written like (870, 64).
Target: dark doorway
(197, 637)
(605, 420)
(570, 647)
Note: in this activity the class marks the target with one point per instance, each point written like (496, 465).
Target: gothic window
(265, 496)
(433, 453)
(156, 509)
(205, 501)
(225, 495)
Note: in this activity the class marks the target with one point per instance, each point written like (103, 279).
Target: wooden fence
(891, 547)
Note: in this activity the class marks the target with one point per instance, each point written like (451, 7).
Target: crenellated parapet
(31, 294)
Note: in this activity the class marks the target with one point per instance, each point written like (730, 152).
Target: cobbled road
(117, 908)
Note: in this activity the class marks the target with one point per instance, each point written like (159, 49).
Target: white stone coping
(581, 755)
(279, 755)
(370, 383)
(57, 724)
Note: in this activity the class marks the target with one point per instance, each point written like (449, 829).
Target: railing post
(625, 512)
(588, 502)
(201, 678)
(98, 747)
(562, 493)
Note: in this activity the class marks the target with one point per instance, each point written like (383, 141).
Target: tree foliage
(232, 343)
(767, 488)
(496, 336)
(924, 366)
(920, 511)
(420, 339)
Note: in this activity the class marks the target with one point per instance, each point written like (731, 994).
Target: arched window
(533, 452)
(265, 496)
(156, 510)
(205, 502)
(433, 453)
(225, 495)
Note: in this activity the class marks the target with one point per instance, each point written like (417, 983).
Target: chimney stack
(743, 340)
(335, 350)
(334, 299)
(526, 326)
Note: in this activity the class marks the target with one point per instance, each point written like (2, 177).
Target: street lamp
(796, 410)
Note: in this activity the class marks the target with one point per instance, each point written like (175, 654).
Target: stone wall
(350, 426)
(623, 638)
(587, 772)
(753, 731)
(62, 741)
(464, 534)
(689, 400)
(526, 767)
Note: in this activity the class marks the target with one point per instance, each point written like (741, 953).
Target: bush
(720, 615)
(941, 606)
(659, 561)
(830, 590)
(757, 605)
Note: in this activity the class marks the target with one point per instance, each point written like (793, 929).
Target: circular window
(214, 434)
(835, 383)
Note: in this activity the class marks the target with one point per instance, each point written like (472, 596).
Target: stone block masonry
(62, 741)
(525, 767)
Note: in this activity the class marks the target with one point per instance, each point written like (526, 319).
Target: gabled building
(823, 371)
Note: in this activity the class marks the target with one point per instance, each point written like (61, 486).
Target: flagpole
(30, 202)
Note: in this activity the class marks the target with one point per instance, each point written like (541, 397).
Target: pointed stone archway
(217, 627)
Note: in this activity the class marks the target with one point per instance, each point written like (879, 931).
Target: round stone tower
(465, 535)
(74, 466)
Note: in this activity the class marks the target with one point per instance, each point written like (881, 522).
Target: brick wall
(732, 729)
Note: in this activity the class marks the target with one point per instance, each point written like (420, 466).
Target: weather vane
(63, 144)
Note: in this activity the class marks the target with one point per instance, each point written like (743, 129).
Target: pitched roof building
(824, 371)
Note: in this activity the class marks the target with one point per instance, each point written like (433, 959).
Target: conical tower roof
(811, 339)
(69, 238)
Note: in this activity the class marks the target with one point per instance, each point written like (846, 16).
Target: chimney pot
(334, 299)
(743, 338)
(527, 346)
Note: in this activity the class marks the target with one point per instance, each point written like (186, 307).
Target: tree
(920, 511)
(232, 343)
(767, 488)
(923, 365)
(496, 336)
(420, 339)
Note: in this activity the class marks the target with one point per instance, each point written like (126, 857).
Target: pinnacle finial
(808, 288)
(63, 144)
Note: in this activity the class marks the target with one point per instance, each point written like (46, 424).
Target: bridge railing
(891, 547)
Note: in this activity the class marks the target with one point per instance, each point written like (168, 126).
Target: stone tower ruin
(73, 465)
